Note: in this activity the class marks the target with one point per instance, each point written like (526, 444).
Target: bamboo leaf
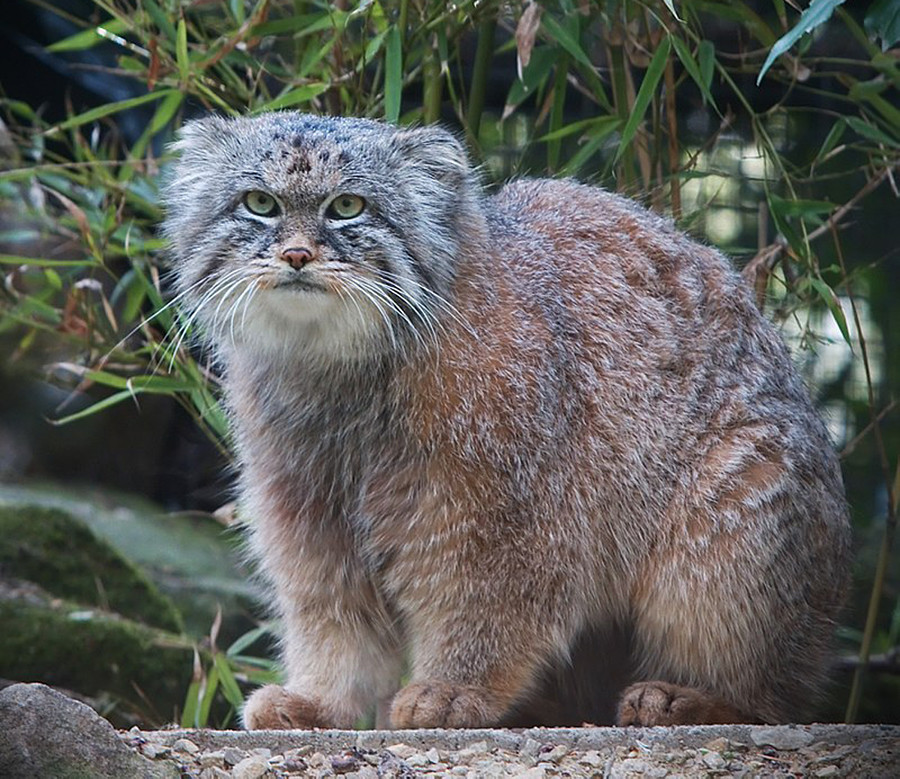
(817, 13)
(112, 400)
(834, 305)
(604, 128)
(706, 57)
(564, 38)
(161, 19)
(883, 21)
(831, 140)
(645, 94)
(293, 97)
(88, 38)
(871, 132)
(671, 6)
(230, 688)
(693, 69)
(109, 109)
(181, 52)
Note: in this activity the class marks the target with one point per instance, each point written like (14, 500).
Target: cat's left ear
(434, 150)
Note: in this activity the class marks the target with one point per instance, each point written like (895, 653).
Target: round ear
(203, 135)
(434, 150)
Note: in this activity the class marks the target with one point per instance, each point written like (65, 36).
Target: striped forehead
(295, 160)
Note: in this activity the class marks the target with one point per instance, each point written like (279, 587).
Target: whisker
(376, 289)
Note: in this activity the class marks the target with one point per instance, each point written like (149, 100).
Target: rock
(251, 767)
(60, 554)
(781, 737)
(714, 761)
(344, 764)
(556, 754)
(91, 652)
(212, 759)
(592, 758)
(233, 756)
(154, 751)
(718, 745)
(403, 751)
(530, 748)
(192, 560)
(827, 771)
(478, 749)
(43, 733)
(186, 745)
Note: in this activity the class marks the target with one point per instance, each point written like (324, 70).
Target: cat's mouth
(301, 285)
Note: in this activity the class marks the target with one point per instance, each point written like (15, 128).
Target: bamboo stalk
(432, 86)
(478, 89)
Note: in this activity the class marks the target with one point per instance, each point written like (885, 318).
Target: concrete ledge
(687, 736)
(819, 751)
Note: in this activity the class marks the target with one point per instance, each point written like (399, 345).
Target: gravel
(819, 751)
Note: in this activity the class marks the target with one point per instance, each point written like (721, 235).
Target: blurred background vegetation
(767, 128)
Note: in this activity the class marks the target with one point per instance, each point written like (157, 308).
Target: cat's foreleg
(480, 631)
(339, 653)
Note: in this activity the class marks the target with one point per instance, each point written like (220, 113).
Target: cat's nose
(296, 257)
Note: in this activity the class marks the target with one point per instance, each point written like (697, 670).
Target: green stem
(483, 55)
(432, 86)
(557, 111)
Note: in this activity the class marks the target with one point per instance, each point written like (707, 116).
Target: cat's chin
(286, 320)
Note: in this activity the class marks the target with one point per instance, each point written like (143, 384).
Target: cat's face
(297, 233)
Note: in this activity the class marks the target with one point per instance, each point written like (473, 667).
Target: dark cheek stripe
(420, 269)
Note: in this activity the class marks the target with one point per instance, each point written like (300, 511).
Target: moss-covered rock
(49, 547)
(145, 671)
(192, 559)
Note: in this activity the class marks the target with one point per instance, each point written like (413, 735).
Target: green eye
(346, 207)
(260, 203)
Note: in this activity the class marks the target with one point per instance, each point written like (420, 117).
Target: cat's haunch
(539, 446)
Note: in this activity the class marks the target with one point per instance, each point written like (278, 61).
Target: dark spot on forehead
(297, 141)
(299, 164)
(267, 155)
(324, 155)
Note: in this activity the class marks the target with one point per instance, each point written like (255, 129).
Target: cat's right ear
(203, 137)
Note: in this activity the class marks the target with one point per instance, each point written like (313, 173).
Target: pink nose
(296, 257)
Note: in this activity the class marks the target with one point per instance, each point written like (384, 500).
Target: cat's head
(305, 234)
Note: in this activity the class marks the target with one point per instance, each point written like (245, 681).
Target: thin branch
(886, 662)
(851, 446)
(765, 260)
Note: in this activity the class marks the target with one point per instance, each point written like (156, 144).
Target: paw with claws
(660, 703)
(437, 704)
(274, 708)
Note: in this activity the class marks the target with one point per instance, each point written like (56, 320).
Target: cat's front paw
(274, 708)
(437, 704)
(660, 703)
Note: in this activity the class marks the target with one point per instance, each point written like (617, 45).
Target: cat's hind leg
(734, 606)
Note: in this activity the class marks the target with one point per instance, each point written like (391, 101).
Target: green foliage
(817, 13)
(606, 91)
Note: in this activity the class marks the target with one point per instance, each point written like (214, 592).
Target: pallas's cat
(536, 452)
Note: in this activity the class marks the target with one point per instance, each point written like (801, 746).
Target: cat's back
(658, 327)
(598, 239)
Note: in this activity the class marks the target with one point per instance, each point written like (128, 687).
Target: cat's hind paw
(438, 704)
(274, 708)
(660, 703)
